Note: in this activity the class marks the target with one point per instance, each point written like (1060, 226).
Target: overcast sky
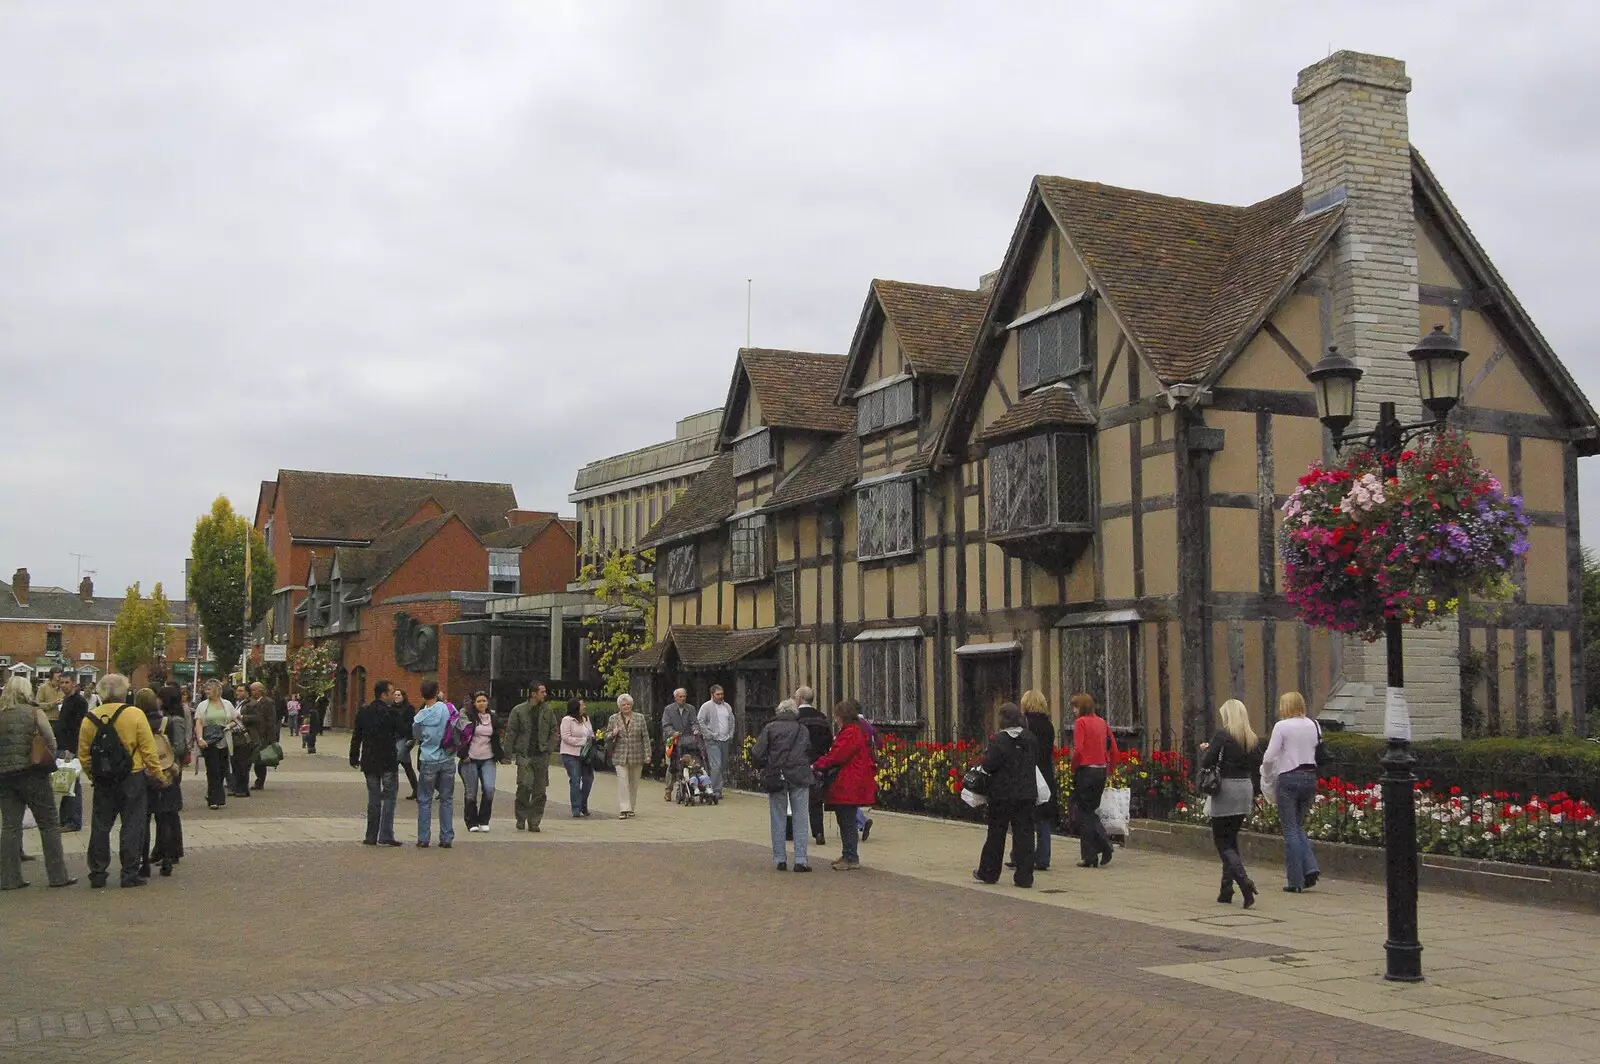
(499, 240)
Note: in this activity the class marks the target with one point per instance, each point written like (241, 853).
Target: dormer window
(505, 572)
(1039, 483)
(748, 539)
(1050, 345)
(752, 451)
(886, 406)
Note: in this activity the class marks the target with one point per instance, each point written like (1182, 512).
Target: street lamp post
(1438, 358)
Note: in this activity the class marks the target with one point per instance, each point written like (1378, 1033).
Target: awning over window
(1009, 646)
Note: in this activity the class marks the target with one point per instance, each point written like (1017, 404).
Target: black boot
(1225, 895)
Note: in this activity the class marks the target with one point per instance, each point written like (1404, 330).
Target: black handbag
(1322, 757)
(772, 780)
(593, 755)
(1209, 779)
(977, 780)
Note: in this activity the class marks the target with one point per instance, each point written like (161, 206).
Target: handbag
(270, 755)
(40, 755)
(1321, 757)
(1208, 780)
(591, 754)
(212, 734)
(772, 780)
(977, 780)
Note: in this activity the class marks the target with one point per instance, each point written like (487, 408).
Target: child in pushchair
(694, 782)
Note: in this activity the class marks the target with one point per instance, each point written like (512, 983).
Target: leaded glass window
(887, 685)
(784, 606)
(1099, 660)
(680, 568)
(753, 452)
(886, 520)
(1050, 348)
(884, 408)
(1038, 482)
(748, 539)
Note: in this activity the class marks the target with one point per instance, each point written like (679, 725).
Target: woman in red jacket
(857, 782)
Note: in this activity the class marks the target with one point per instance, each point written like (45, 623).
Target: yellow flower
(1433, 606)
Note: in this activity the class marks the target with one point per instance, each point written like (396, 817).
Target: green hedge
(1543, 765)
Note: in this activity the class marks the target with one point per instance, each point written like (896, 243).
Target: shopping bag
(64, 779)
(27, 819)
(270, 756)
(976, 801)
(1041, 787)
(1114, 806)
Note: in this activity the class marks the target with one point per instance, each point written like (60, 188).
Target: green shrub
(1542, 765)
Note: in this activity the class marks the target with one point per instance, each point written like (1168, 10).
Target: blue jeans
(778, 806)
(381, 790)
(1296, 791)
(580, 777)
(716, 762)
(440, 775)
(849, 837)
(473, 775)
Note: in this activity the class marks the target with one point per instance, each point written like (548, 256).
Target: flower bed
(1556, 831)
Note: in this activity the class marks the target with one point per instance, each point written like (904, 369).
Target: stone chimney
(86, 589)
(1355, 149)
(19, 586)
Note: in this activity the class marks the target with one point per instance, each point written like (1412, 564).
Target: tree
(313, 671)
(217, 583)
(134, 634)
(616, 633)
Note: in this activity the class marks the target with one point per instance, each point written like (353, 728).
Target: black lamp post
(1438, 358)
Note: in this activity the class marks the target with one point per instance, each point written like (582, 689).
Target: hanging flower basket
(1359, 551)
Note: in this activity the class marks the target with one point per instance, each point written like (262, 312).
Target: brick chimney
(19, 586)
(86, 589)
(1355, 148)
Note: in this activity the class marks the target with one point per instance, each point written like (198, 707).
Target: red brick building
(380, 564)
(50, 627)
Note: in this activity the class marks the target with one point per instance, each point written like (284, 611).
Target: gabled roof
(520, 536)
(827, 472)
(707, 502)
(1504, 304)
(363, 568)
(1185, 277)
(359, 507)
(795, 388)
(61, 605)
(708, 646)
(1054, 404)
(936, 326)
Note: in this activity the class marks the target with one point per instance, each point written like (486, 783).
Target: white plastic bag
(27, 819)
(976, 801)
(1114, 806)
(1041, 787)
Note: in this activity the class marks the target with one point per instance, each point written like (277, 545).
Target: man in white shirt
(716, 729)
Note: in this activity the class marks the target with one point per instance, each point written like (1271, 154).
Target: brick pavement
(584, 944)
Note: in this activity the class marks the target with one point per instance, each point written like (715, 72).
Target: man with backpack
(436, 766)
(118, 750)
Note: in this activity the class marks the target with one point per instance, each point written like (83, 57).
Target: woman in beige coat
(628, 746)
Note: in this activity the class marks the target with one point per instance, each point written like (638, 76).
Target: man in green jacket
(530, 739)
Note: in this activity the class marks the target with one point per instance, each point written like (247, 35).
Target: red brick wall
(426, 512)
(373, 649)
(550, 562)
(25, 641)
(453, 559)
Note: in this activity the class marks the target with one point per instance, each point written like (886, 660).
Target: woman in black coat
(1036, 717)
(1011, 760)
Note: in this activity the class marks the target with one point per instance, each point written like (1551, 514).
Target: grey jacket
(785, 744)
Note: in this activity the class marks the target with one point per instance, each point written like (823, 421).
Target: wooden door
(988, 681)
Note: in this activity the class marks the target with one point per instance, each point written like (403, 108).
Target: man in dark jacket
(820, 734)
(373, 750)
(260, 719)
(74, 707)
(1010, 760)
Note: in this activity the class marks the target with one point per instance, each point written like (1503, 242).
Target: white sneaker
(473, 828)
(483, 828)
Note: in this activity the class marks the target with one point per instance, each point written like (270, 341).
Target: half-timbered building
(1071, 478)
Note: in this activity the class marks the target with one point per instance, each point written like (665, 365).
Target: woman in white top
(1292, 757)
(215, 721)
(575, 731)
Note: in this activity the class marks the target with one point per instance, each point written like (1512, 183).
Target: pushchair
(691, 783)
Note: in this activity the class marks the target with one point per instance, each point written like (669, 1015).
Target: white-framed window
(884, 408)
(1051, 347)
(1039, 482)
(681, 568)
(505, 571)
(886, 520)
(1098, 659)
(748, 542)
(753, 452)
(785, 600)
(887, 687)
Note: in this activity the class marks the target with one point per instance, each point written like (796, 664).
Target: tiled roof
(708, 646)
(796, 389)
(321, 568)
(1054, 404)
(708, 500)
(70, 606)
(825, 473)
(518, 536)
(355, 506)
(648, 658)
(1186, 276)
(937, 326)
(362, 568)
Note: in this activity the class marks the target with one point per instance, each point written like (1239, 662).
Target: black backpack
(109, 760)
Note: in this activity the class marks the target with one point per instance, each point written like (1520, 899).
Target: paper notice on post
(1396, 715)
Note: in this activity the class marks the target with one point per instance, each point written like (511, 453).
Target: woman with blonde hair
(215, 721)
(1232, 751)
(1292, 757)
(27, 757)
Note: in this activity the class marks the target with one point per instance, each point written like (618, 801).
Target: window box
(1041, 497)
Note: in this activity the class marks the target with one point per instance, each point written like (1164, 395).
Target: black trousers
(1015, 815)
(1225, 836)
(163, 842)
(1088, 787)
(244, 756)
(216, 759)
(411, 773)
(128, 799)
